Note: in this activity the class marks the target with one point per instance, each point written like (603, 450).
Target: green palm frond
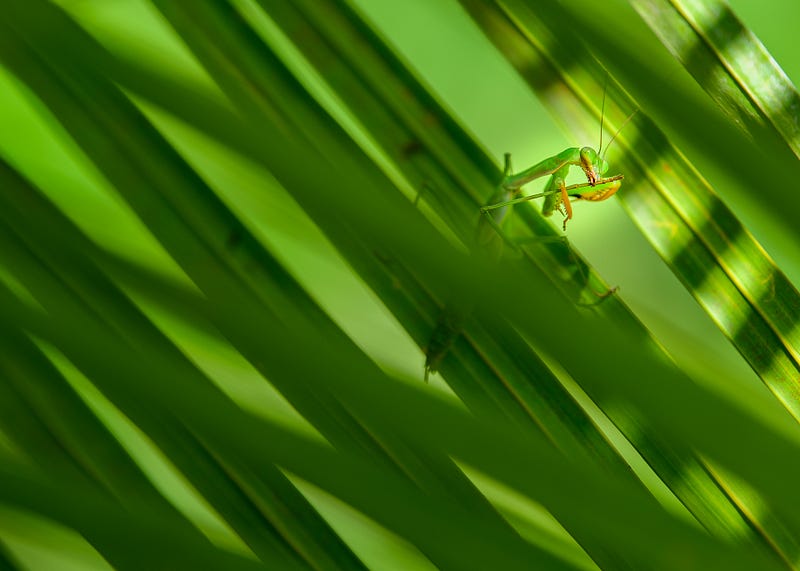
(229, 231)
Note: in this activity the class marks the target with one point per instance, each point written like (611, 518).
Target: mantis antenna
(625, 122)
(603, 114)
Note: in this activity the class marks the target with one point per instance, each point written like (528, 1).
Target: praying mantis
(557, 194)
(558, 197)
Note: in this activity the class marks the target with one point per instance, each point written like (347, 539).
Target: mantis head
(592, 164)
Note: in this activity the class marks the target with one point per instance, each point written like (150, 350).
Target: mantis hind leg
(583, 276)
(601, 297)
(586, 281)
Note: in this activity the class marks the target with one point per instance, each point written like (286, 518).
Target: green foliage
(228, 231)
